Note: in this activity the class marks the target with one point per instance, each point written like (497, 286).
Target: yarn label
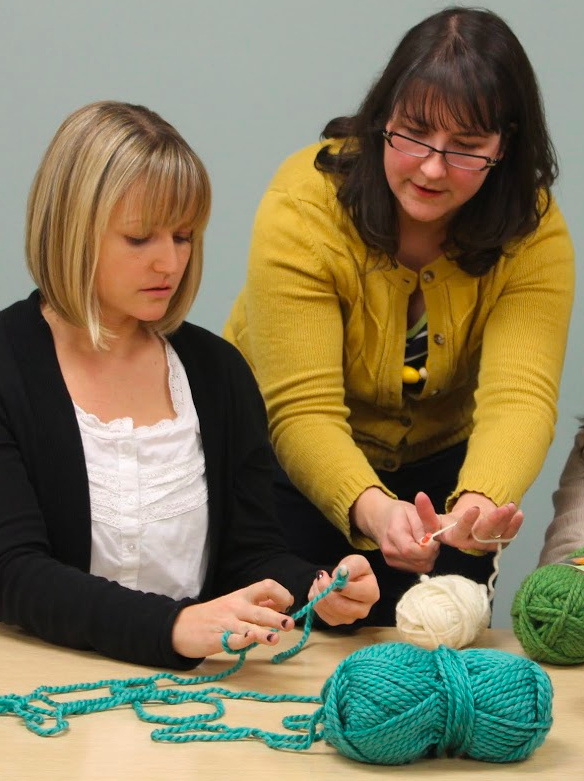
(577, 562)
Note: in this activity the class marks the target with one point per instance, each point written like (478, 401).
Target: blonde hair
(99, 153)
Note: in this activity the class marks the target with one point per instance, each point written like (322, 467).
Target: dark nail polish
(319, 574)
(246, 634)
(284, 623)
(269, 637)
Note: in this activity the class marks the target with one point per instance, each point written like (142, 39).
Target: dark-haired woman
(406, 309)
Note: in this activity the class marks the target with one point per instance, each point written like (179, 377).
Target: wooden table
(115, 745)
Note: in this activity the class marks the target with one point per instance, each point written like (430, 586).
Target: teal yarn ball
(394, 703)
(548, 614)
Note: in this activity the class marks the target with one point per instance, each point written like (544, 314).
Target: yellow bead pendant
(411, 376)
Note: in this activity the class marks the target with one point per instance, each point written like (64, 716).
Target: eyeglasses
(413, 148)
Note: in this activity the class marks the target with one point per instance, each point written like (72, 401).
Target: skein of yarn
(395, 703)
(446, 610)
(548, 613)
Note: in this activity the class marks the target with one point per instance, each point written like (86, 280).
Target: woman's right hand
(250, 614)
(397, 527)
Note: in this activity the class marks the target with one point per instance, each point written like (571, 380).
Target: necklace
(411, 376)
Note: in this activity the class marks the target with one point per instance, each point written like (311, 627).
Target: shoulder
(20, 327)
(552, 231)
(545, 255)
(198, 347)
(298, 177)
(21, 312)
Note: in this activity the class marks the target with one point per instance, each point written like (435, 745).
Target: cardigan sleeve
(61, 603)
(522, 356)
(565, 534)
(296, 333)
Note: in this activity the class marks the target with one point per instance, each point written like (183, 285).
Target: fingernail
(319, 574)
(270, 637)
(284, 623)
(288, 609)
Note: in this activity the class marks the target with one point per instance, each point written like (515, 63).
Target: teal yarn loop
(307, 612)
(47, 716)
(395, 703)
(548, 614)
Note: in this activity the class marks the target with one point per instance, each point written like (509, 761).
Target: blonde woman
(134, 461)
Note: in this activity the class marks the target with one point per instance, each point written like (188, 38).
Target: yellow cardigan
(323, 327)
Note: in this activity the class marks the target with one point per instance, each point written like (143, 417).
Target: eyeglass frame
(490, 162)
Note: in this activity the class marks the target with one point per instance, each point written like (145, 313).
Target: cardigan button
(439, 338)
(405, 421)
(428, 276)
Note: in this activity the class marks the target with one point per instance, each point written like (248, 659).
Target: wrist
(366, 509)
(181, 633)
(473, 499)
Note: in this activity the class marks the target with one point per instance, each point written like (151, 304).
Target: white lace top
(148, 492)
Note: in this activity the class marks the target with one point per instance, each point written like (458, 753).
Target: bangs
(171, 191)
(447, 97)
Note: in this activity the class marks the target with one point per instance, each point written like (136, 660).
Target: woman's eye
(183, 238)
(137, 241)
(414, 132)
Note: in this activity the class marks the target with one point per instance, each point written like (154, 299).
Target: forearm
(68, 607)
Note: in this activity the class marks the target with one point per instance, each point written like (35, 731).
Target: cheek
(185, 257)
(469, 185)
(398, 167)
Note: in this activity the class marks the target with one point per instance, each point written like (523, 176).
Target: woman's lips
(158, 292)
(425, 192)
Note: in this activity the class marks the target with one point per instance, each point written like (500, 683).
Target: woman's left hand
(355, 600)
(480, 523)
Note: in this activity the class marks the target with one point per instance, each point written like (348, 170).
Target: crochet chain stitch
(39, 708)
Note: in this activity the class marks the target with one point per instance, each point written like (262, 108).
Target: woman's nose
(434, 166)
(166, 258)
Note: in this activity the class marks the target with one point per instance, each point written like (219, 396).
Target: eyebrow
(463, 132)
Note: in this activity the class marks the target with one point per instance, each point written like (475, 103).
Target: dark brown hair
(462, 66)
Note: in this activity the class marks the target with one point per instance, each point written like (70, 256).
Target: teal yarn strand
(39, 708)
(395, 703)
(548, 614)
(388, 704)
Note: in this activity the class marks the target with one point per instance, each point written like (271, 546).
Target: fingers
(354, 601)
(237, 641)
(462, 532)
(474, 530)
(269, 592)
(427, 514)
(502, 523)
(401, 544)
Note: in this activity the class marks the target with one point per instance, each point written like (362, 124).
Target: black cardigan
(45, 522)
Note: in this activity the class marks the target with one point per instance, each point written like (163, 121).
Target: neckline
(125, 425)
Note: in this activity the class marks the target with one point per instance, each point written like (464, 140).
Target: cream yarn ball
(446, 610)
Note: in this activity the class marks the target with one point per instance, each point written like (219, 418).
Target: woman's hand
(355, 600)
(478, 518)
(397, 527)
(250, 614)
